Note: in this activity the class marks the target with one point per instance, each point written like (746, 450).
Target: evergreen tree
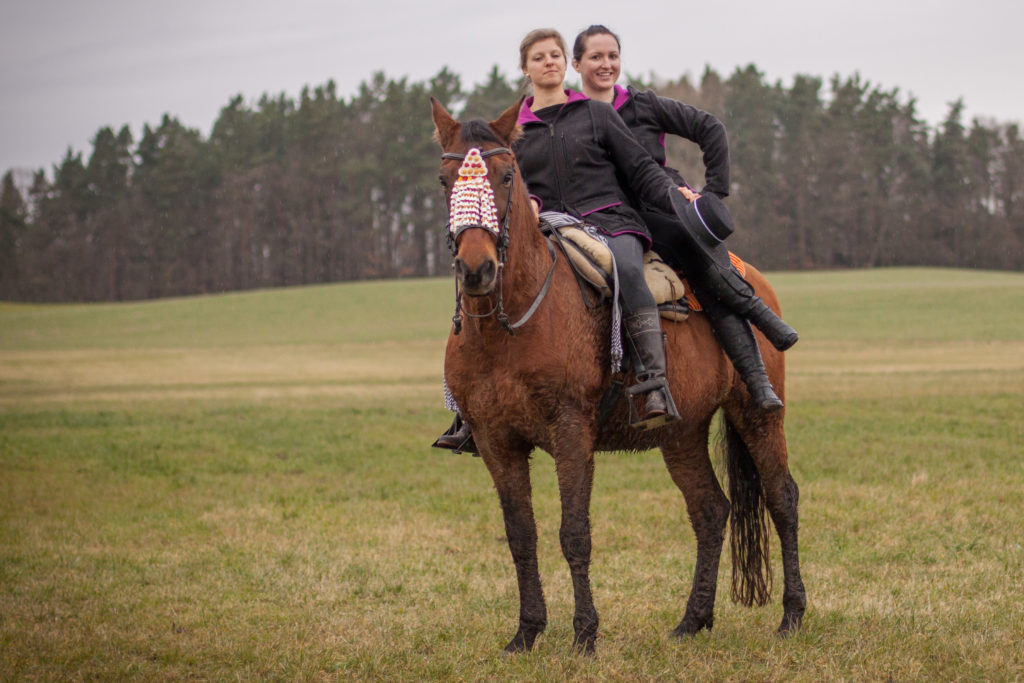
(108, 177)
(63, 240)
(978, 239)
(234, 139)
(175, 181)
(801, 165)
(489, 99)
(13, 215)
(909, 190)
(750, 117)
(950, 189)
(235, 154)
(1009, 182)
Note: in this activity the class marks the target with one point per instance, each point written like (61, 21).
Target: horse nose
(476, 281)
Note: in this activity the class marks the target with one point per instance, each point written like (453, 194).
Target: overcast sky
(68, 68)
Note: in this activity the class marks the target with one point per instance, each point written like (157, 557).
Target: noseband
(489, 222)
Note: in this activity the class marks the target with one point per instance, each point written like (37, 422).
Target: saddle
(591, 259)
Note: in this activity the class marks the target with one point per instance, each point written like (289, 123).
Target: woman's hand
(690, 195)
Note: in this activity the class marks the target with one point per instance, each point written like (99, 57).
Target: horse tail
(748, 522)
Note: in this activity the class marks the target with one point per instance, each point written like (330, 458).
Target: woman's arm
(647, 180)
(700, 127)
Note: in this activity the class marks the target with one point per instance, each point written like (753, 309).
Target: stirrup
(649, 421)
(458, 438)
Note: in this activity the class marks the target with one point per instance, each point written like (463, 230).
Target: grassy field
(240, 487)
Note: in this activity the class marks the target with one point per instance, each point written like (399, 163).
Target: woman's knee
(629, 263)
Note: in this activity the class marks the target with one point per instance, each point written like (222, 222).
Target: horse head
(478, 174)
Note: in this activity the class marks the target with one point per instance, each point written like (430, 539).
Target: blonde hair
(537, 35)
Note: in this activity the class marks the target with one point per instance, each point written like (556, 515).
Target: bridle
(503, 230)
(503, 237)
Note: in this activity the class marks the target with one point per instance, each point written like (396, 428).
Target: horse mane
(478, 130)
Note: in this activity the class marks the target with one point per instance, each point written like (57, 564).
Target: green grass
(239, 487)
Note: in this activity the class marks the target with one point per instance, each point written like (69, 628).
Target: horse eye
(509, 175)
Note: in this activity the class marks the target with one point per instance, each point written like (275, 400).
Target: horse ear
(505, 125)
(445, 127)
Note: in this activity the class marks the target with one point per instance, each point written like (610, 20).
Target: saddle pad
(593, 260)
(664, 284)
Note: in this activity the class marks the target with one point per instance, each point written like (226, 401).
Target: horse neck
(527, 261)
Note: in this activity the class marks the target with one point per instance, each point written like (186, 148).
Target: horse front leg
(575, 483)
(511, 474)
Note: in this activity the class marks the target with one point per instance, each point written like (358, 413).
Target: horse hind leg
(782, 504)
(708, 509)
(759, 479)
(511, 475)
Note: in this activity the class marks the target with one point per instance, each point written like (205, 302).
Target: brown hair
(537, 35)
(580, 45)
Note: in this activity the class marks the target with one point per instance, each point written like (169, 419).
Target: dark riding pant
(710, 273)
(634, 294)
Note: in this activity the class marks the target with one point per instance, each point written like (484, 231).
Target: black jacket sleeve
(703, 128)
(646, 178)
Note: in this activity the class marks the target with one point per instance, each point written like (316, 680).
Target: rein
(503, 237)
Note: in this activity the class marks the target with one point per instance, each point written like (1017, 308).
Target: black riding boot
(458, 437)
(706, 223)
(644, 331)
(729, 287)
(737, 339)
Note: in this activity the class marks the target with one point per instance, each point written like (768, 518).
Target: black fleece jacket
(650, 117)
(573, 156)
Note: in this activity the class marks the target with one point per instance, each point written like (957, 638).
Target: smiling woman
(595, 55)
(726, 298)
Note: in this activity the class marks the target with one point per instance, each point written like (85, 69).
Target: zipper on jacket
(565, 153)
(554, 159)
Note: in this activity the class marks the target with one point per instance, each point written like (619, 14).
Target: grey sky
(68, 68)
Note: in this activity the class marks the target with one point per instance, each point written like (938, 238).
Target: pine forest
(827, 173)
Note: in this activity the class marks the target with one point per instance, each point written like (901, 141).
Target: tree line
(327, 188)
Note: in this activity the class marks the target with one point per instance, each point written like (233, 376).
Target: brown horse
(540, 387)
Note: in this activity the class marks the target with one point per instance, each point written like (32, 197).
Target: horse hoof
(688, 628)
(789, 626)
(522, 641)
(586, 647)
